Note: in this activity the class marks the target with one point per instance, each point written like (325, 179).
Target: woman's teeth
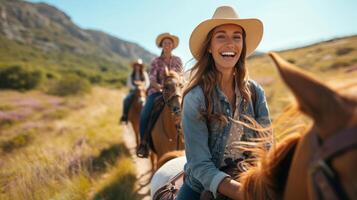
(228, 53)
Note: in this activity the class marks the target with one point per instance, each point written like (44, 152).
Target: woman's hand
(229, 188)
(138, 83)
(156, 85)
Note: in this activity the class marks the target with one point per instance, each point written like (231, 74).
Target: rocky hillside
(48, 29)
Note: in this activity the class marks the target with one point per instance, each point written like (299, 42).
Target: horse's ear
(167, 72)
(315, 98)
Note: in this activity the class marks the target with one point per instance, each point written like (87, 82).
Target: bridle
(176, 111)
(324, 178)
(139, 93)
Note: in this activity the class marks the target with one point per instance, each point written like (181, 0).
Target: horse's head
(172, 93)
(326, 156)
(315, 165)
(140, 91)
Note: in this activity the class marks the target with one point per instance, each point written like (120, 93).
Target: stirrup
(142, 151)
(123, 120)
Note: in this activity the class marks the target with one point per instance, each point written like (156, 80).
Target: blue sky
(287, 23)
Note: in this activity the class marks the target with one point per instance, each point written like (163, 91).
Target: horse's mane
(266, 180)
(173, 74)
(265, 174)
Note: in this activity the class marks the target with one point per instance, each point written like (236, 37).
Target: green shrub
(16, 77)
(7, 122)
(339, 64)
(70, 85)
(343, 51)
(291, 60)
(52, 75)
(95, 79)
(18, 141)
(116, 79)
(56, 114)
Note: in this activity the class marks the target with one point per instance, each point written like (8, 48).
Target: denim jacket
(205, 143)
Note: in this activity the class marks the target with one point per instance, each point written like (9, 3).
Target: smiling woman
(218, 92)
(226, 48)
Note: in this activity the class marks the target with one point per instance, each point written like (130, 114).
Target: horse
(316, 164)
(167, 132)
(135, 108)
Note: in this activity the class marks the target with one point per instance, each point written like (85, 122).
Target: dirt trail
(143, 166)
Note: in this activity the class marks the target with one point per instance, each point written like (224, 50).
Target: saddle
(159, 105)
(169, 190)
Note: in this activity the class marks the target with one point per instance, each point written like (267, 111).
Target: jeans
(186, 192)
(145, 113)
(127, 101)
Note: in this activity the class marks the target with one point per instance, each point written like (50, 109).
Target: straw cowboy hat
(139, 62)
(162, 36)
(226, 15)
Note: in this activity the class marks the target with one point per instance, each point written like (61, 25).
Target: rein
(177, 125)
(324, 178)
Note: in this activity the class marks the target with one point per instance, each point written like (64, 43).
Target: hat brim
(253, 30)
(174, 38)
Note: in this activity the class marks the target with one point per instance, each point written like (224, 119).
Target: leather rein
(325, 182)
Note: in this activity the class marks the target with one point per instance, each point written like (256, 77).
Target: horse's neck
(170, 129)
(136, 106)
(297, 180)
(168, 122)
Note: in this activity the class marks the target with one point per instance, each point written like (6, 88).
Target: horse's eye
(176, 109)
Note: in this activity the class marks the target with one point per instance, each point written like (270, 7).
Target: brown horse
(318, 164)
(167, 132)
(136, 106)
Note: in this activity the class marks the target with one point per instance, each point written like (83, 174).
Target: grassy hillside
(40, 37)
(55, 64)
(332, 61)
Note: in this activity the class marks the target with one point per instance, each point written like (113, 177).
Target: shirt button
(227, 110)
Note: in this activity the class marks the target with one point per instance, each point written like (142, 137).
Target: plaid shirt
(157, 71)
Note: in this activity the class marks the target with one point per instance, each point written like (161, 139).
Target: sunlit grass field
(63, 148)
(333, 62)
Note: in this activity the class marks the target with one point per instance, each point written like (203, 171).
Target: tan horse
(319, 164)
(135, 109)
(167, 132)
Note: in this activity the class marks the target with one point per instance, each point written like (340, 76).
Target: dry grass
(66, 155)
(323, 60)
(119, 185)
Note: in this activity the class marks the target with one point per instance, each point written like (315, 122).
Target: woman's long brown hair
(205, 74)
(141, 71)
(162, 51)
